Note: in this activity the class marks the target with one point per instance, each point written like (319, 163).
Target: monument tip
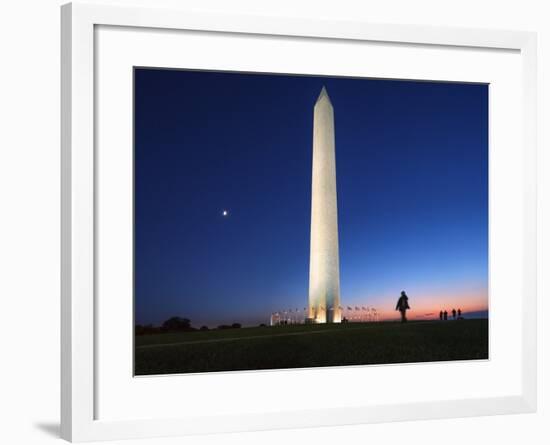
(323, 93)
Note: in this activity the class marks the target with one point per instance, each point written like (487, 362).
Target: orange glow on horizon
(427, 306)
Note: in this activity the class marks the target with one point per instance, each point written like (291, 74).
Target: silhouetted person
(445, 315)
(402, 306)
(454, 313)
(459, 314)
(441, 315)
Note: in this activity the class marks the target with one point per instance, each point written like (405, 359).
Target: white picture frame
(79, 345)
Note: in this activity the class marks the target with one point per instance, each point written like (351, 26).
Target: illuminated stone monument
(324, 267)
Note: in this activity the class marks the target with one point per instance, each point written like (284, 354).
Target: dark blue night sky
(412, 163)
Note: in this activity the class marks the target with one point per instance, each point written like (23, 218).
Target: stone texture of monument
(324, 267)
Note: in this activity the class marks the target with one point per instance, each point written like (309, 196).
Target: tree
(236, 325)
(177, 324)
(204, 328)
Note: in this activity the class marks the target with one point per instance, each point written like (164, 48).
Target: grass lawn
(304, 346)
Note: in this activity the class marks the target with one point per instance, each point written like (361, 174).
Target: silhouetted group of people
(403, 305)
(444, 315)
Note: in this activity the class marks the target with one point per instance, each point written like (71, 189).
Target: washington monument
(324, 267)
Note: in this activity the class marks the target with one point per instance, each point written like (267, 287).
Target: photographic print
(296, 221)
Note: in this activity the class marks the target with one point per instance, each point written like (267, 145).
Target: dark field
(305, 346)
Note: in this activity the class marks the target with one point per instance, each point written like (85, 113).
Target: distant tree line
(177, 324)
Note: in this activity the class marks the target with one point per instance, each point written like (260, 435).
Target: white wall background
(29, 217)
